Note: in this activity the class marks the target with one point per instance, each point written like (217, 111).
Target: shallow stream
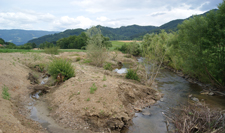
(176, 91)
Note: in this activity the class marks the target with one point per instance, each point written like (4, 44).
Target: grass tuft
(5, 93)
(93, 88)
(62, 66)
(131, 74)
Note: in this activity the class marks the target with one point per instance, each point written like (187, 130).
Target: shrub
(96, 54)
(131, 74)
(78, 59)
(108, 66)
(62, 66)
(5, 93)
(52, 50)
(93, 88)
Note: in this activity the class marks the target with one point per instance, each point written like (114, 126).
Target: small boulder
(211, 93)
(195, 99)
(146, 113)
(204, 92)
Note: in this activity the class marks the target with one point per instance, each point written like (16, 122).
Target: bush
(62, 66)
(5, 93)
(78, 59)
(96, 54)
(108, 66)
(52, 50)
(131, 74)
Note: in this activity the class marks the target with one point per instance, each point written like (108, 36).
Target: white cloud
(67, 22)
(102, 18)
(71, 14)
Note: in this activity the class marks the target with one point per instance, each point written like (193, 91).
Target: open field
(117, 44)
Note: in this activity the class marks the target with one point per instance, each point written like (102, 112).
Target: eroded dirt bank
(71, 104)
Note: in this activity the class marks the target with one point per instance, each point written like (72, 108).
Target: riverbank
(208, 89)
(70, 104)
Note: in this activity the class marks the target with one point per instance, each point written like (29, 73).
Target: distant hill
(123, 33)
(20, 37)
(172, 25)
(54, 37)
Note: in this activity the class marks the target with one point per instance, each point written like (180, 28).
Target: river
(176, 91)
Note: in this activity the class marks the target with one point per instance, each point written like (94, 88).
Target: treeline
(74, 42)
(197, 48)
(52, 38)
(10, 45)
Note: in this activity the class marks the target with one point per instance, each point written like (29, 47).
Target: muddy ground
(70, 105)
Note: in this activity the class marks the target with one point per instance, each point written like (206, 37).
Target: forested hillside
(122, 33)
(20, 37)
(170, 26)
(54, 37)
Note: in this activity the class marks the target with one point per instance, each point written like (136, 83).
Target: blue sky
(59, 15)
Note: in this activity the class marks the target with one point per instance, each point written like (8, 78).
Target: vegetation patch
(61, 66)
(108, 66)
(132, 74)
(5, 93)
(52, 50)
(78, 59)
(93, 88)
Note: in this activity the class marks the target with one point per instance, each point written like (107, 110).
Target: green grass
(93, 88)
(116, 44)
(108, 66)
(5, 93)
(132, 74)
(104, 78)
(62, 66)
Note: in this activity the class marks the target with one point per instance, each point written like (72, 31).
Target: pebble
(194, 99)
(1, 131)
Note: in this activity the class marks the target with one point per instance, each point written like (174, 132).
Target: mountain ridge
(129, 32)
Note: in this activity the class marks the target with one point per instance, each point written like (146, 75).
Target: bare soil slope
(109, 108)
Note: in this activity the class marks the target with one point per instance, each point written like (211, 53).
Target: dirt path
(71, 105)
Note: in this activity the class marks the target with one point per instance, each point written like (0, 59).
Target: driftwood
(42, 88)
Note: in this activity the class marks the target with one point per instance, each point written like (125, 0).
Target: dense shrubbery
(73, 42)
(133, 48)
(62, 66)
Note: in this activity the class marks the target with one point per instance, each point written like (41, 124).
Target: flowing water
(176, 91)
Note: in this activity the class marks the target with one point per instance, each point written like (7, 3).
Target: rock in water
(147, 113)
(211, 94)
(194, 99)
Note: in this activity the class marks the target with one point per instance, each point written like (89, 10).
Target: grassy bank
(37, 51)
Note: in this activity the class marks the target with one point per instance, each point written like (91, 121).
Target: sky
(59, 15)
